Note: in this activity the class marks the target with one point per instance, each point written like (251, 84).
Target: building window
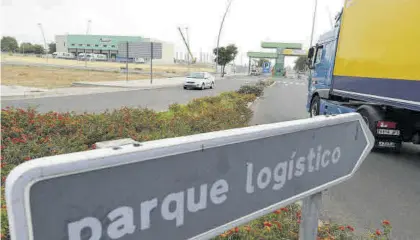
(113, 46)
(96, 45)
(80, 45)
(72, 44)
(104, 45)
(88, 45)
(64, 44)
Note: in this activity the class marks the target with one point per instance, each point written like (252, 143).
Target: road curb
(251, 103)
(258, 98)
(48, 95)
(78, 84)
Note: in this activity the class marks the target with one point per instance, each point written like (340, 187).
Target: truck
(369, 63)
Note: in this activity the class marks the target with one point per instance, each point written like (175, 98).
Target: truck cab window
(318, 55)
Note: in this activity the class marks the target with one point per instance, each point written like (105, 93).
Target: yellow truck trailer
(370, 63)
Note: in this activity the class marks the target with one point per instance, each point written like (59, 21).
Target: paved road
(386, 186)
(157, 99)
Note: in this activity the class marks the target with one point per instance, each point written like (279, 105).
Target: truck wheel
(315, 104)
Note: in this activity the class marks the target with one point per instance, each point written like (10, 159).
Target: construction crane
(193, 60)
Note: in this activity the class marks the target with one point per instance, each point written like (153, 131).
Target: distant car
(199, 80)
(254, 72)
(139, 60)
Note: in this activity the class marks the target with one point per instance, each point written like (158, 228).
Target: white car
(200, 80)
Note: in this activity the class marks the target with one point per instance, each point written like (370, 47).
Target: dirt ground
(156, 65)
(50, 77)
(32, 75)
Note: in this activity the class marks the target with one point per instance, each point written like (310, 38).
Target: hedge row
(27, 134)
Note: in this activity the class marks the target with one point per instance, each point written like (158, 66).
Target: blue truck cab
(320, 81)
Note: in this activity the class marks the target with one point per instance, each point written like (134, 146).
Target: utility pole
(43, 36)
(220, 31)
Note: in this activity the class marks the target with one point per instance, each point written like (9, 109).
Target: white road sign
(186, 187)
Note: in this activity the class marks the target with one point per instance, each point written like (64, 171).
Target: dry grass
(50, 77)
(156, 66)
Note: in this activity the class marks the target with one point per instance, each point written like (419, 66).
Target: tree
(226, 55)
(26, 48)
(38, 49)
(9, 44)
(300, 63)
(52, 47)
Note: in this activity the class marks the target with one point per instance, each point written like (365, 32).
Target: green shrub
(256, 90)
(27, 134)
(284, 223)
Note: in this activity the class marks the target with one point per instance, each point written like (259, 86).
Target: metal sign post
(151, 62)
(310, 216)
(186, 187)
(126, 63)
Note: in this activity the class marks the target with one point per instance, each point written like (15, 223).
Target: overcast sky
(248, 22)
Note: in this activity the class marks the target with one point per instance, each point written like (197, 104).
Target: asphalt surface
(157, 99)
(386, 186)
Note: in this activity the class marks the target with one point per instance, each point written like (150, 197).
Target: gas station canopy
(282, 50)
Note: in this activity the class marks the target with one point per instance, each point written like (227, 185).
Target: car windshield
(196, 75)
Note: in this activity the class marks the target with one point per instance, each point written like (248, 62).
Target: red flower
(378, 232)
(3, 165)
(93, 146)
(27, 158)
(247, 228)
(342, 228)
(284, 209)
(350, 228)
(277, 211)
(386, 222)
(2, 147)
(267, 224)
(236, 229)
(278, 224)
(3, 179)
(298, 221)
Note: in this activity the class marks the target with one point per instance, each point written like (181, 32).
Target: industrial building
(106, 44)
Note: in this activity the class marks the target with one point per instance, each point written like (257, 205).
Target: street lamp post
(313, 22)
(220, 31)
(43, 36)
